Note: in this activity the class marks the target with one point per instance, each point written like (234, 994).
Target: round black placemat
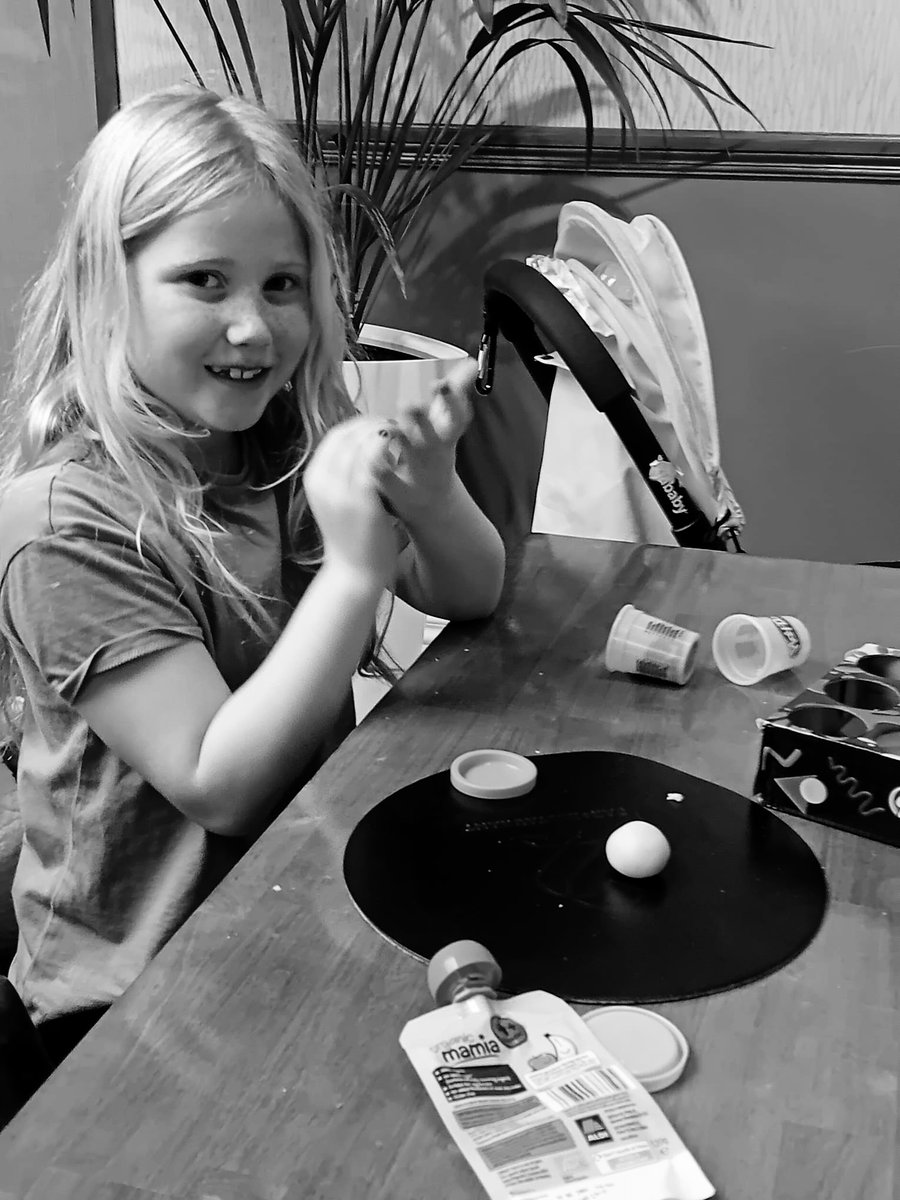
(742, 893)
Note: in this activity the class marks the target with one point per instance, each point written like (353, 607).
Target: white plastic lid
(650, 1046)
(493, 774)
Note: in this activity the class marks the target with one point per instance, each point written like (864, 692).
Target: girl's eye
(198, 279)
(283, 283)
(278, 283)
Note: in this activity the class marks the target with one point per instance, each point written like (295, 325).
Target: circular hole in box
(885, 666)
(861, 693)
(827, 720)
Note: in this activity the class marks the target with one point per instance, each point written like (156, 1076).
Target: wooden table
(257, 1057)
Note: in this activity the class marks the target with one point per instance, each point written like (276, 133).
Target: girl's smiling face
(220, 289)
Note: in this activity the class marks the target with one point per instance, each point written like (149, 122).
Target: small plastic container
(748, 649)
(641, 644)
(493, 774)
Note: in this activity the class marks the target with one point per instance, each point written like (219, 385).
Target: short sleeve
(79, 606)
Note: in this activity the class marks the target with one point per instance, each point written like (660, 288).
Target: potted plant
(359, 118)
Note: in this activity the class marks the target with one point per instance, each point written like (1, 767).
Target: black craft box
(832, 754)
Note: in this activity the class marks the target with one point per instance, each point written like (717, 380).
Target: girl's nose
(247, 325)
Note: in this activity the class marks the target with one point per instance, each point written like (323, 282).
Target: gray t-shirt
(109, 869)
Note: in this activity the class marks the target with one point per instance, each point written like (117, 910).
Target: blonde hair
(159, 158)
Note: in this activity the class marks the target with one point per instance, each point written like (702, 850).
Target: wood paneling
(830, 67)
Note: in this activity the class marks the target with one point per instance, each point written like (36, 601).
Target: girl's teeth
(236, 372)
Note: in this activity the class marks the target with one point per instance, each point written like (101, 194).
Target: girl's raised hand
(417, 474)
(341, 483)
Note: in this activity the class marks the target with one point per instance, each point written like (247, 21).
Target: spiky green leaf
(485, 11)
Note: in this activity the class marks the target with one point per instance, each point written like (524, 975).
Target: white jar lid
(650, 1046)
(493, 774)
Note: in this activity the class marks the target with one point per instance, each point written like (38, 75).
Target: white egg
(638, 850)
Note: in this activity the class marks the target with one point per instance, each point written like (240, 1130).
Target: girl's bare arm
(224, 759)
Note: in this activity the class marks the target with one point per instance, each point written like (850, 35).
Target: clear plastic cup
(748, 649)
(641, 644)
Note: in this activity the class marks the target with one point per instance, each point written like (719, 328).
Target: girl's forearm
(264, 734)
(455, 563)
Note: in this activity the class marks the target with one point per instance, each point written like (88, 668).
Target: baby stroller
(597, 310)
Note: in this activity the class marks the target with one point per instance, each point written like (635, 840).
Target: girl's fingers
(415, 427)
(462, 375)
(449, 410)
(349, 455)
(449, 413)
(378, 456)
(391, 446)
(437, 421)
(458, 388)
(396, 450)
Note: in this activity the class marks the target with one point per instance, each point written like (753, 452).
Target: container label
(789, 633)
(664, 629)
(647, 666)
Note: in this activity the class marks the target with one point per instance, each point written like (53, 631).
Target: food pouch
(537, 1105)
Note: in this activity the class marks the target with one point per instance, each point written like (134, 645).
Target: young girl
(195, 530)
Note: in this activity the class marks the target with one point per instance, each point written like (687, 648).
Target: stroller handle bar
(533, 315)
